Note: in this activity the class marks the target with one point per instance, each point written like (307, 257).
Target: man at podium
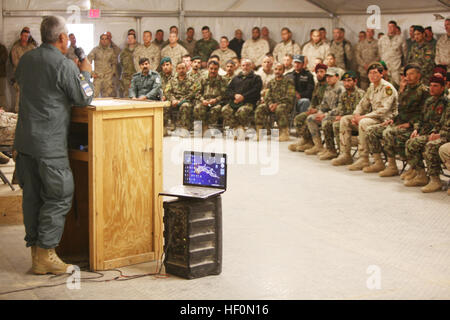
(50, 84)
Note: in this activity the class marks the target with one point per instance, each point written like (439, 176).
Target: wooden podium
(116, 218)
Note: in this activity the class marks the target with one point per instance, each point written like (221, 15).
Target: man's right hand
(86, 66)
(414, 134)
(311, 111)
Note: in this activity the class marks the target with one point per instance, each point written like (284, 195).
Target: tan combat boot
(391, 170)
(47, 261)
(328, 155)
(318, 147)
(284, 135)
(3, 159)
(434, 185)
(239, 133)
(343, 160)
(361, 163)
(407, 173)
(377, 166)
(293, 146)
(419, 180)
(307, 145)
(33, 254)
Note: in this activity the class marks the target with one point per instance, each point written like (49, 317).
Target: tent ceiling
(342, 7)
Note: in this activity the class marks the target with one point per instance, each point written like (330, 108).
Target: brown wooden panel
(127, 187)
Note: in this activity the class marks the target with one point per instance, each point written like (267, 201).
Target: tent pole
(181, 13)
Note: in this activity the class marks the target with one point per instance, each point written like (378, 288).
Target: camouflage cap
(349, 74)
(165, 59)
(332, 71)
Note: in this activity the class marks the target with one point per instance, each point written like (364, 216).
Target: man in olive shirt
(50, 84)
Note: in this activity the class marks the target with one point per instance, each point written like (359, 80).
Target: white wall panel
(251, 5)
(44, 4)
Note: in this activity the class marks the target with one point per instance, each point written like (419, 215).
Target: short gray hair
(51, 28)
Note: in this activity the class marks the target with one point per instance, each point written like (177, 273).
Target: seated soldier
(180, 92)
(195, 72)
(429, 134)
(325, 111)
(305, 141)
(8, 122)
(395, 132)
(347, 103)
(166, 73)
(210, 97)
(279, 100)
(304, 83)
(230, 70)
(243, 92)
(444, 153)
(378, 104)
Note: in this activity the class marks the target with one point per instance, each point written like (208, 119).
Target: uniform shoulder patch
(389, 91)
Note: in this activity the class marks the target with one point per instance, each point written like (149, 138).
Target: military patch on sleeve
(158, 80)
(81, 77)
(87, 89)
(439, 109)
(389, 91)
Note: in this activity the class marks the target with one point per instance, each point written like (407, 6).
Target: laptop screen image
(204, 169)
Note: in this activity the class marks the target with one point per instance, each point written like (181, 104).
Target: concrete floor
(294, 227)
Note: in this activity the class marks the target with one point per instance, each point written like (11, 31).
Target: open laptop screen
(205, 169)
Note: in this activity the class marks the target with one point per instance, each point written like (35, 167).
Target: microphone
(79, 52)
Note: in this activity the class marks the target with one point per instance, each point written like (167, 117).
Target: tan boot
(321, 153)
(318, 147)
(4, 159)
(33, 255)
(377, 166)
(434, 185)
(47, 261)
(391, 170)
(419, 180)
(343, 160)
(293, 146)
(361, 163)
(407, 173)
(284, 135)
(239, 133)
(328, 155)
(305, 146)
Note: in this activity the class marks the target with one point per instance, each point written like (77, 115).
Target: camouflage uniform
(128, 69)
(210, 88)
(190, 46)
(431, 153)
(282, 48)
(366, 52)
(281, 92)
(195, 76)
(411, 101)
(105, 66)
(442, 50)
(224, 56)
(432, 122)
(204, 48)
(315, 50)
(328, 107)
(378, 104)
(255, 50)
(149, 86)
(165, 78)
(345, 106)
(343, 52)
(8, 122)
(175, 54)
(17, 51)
(444, 153)
(152, 53)
(391, 50)
(183, 91)
(228, 78)
(300, 120)
(423, 55)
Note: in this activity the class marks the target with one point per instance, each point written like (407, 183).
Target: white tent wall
(300, 27)
(353, 24)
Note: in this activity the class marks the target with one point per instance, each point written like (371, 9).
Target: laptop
(204, 176)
